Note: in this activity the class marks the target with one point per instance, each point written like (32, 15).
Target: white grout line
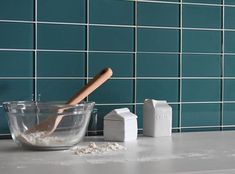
(35, 52)
(202, 4)
(17, 78)
(16, 21)
(112, 25)
(61, 78)
(5, 134)
(113, 51)
(180, 64)
(197, 127)
(115, 104)
(117, 25)
(16, 49)
(70, 51)
(61, 23)
(222, 66)
(135, 54)
(228, 102)
(121, 78)
(198, 53)
(178, 3)
(87, 41)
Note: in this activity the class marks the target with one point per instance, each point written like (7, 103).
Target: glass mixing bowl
(23, 115)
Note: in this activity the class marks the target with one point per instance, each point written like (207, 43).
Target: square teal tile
(229, 2)
(58, 89)
(196, 16)
(67, 37)
(62, 11)
(157, 40)
(16, 64)
(4, 129)
(229, 92)
(229, 42)
(16, 35)
(158, 90)
(175, 115)
(111, 12)
(229, 64)
(147, 14)
(201, 65)
(199, 90)
(204, 1)
(17, 10)
(60, 64)
(114, 91)
(111, 38)
(200, 115)
(15, 89)
(229, 17)
(157, 65)
(102, 110)
(201, 41)
(229, 114)
(121, 64)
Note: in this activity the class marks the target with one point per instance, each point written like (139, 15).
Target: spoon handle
(98, 80)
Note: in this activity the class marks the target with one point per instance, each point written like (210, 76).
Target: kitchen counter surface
(184, 153)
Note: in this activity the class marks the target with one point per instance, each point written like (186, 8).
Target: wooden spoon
(49, 125)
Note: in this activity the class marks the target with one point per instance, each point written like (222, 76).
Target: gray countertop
(194, 153)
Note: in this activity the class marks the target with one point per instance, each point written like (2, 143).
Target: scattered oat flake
(93, 149)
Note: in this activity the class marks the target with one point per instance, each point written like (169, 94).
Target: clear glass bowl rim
(59, 104)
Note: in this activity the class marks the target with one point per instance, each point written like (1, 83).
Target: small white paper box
(157, 118)
(120, 125)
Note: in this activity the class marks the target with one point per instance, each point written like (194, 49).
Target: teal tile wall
(110, 12)
(111, 38)
(16, 35)
(201, 115)
(155, 63)
(16, 89)
(209, 16)
(61, 37)
(201, 41)
(16, 64)
(58, 89)
(122, 63)
(147, 14)
(202, 65)
(75, 62)
(182, 51)
(201, 90)
(157, 40)
(159, 89)
(73, 11)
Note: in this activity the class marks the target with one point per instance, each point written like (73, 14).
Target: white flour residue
(39, 139)
(93, 149)
(192, 155)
